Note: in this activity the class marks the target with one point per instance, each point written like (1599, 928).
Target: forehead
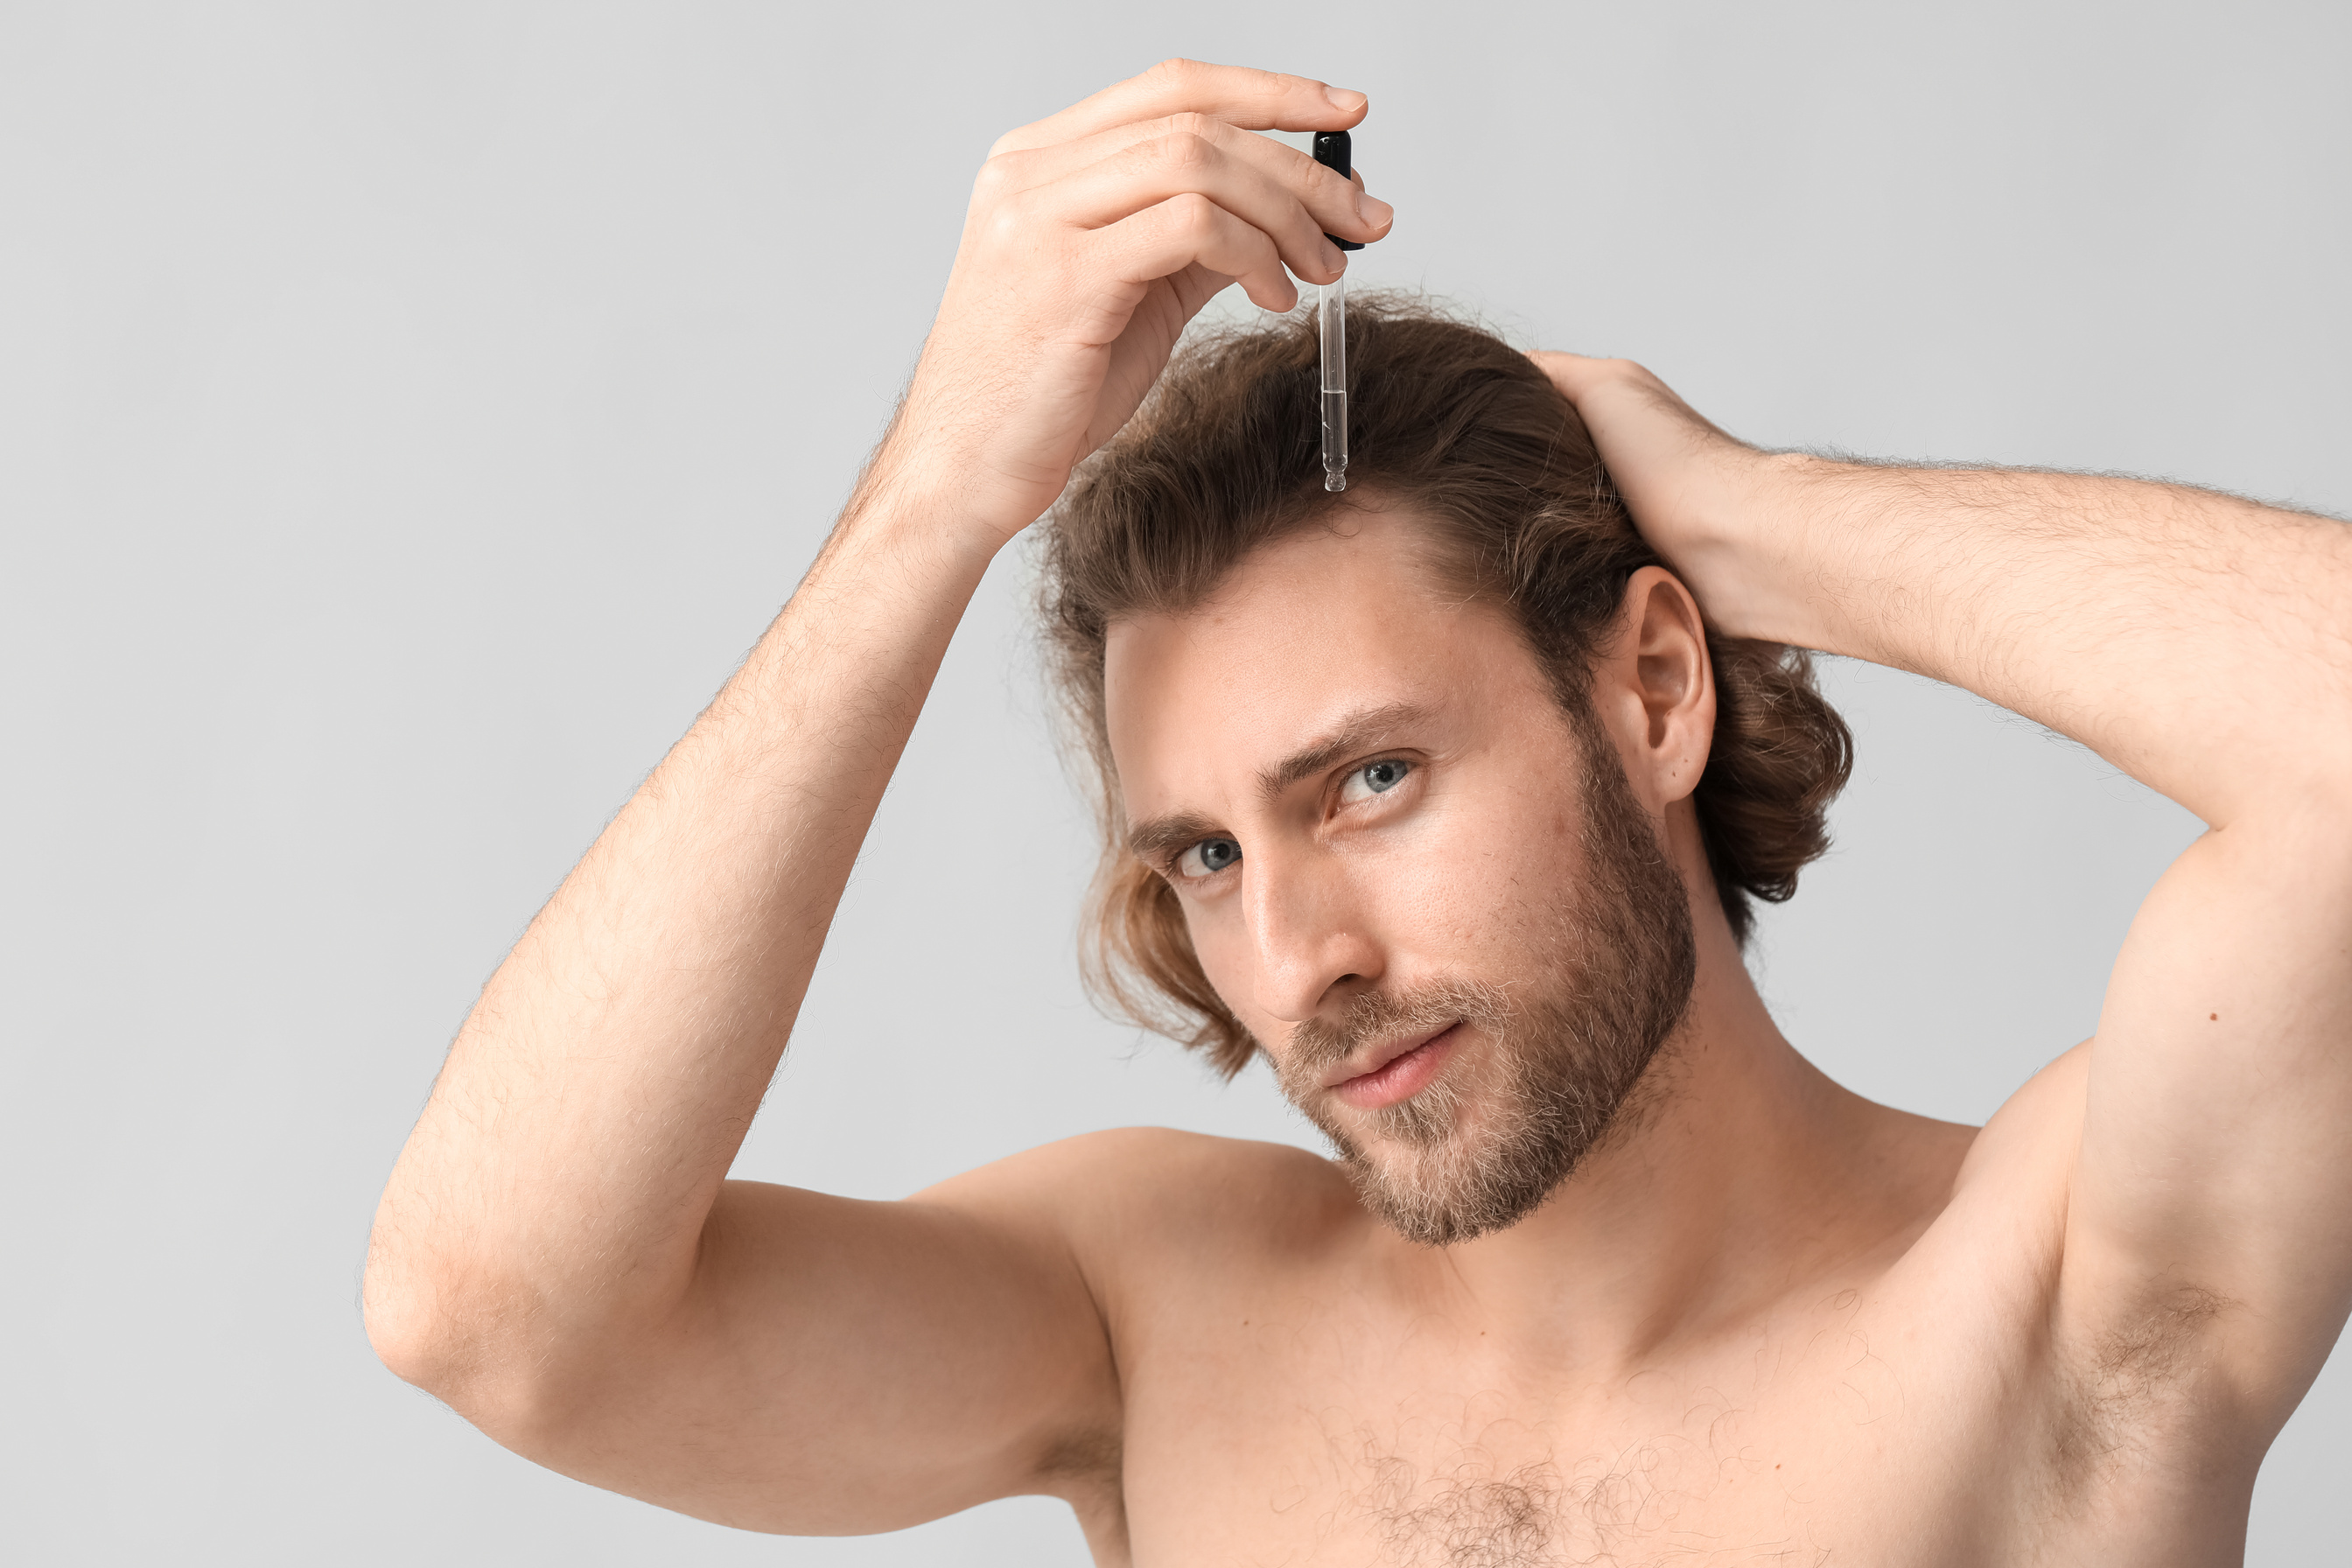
(1333, 620)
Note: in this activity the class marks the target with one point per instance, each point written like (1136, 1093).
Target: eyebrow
(1357, 732)
(1360, 731)
(1151, 841)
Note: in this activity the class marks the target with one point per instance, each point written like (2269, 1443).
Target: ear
(1655, 686)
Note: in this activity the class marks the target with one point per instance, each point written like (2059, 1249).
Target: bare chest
(1340, 1441)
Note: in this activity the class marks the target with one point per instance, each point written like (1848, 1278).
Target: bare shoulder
(1156, 1176)
(1151, 1201)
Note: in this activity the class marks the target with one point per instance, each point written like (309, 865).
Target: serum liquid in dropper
(1334, 152)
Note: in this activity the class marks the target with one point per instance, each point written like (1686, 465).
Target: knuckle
(1020, 139)
(1008, 217)
(1176, 68)
(1004, 228)
(1191, 123)
(1015, 219)
(994, 178)
(1186, 151)
(1192, 214)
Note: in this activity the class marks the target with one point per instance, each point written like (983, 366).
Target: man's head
(1409, 762)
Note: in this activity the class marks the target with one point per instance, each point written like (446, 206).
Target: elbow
(482, 1352)
(432, 1330)
(417, 1328)
(441, 1345)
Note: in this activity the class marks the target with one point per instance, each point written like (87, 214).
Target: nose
(1309, 934)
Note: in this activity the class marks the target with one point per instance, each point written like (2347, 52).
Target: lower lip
(1402, 1079)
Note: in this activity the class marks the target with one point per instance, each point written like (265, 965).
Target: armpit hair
(1088, 1471)
(2145, 1376)
(1084, 1456)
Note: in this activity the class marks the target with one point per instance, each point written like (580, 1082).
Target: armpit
(2147, 1385)
(1088, 1470)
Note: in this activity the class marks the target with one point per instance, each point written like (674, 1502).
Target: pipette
(1333, 151)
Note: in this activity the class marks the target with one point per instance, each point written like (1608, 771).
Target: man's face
(1441, 910)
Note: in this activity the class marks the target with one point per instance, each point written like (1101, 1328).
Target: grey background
(410, 412)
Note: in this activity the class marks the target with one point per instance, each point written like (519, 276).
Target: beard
(1566, 1047)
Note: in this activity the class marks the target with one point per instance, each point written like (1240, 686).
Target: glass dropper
(1334, 151)
(1334, 323)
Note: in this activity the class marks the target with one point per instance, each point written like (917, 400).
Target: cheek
(1221, 946)
(1487, 879)
(1438, 899)
(1471, 891)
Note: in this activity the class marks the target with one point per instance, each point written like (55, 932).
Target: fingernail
(1374, 211)
(1332, 259)
(1345, 97)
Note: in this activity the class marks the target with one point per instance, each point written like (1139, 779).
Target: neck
(1738, 1169)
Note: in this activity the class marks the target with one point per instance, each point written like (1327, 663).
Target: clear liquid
(1335, 440)
(1332, 322)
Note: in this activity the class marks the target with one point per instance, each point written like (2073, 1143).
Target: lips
(1398, 1070)
(1364, 1067)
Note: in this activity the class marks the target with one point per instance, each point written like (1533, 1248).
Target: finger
(1585, 376)
(1572, 373)
(1151, 173)
(1151, 150)
(1586, 381)
(1260, 101)
(1191, 230)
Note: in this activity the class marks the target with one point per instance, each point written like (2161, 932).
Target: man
(1447, 793)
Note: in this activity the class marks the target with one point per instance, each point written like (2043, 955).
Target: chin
(1440, 1188)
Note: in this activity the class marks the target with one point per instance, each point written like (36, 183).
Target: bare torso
(1301, 1388)
(1761, 1321)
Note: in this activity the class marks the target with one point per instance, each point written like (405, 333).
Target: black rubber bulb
(1334, 152)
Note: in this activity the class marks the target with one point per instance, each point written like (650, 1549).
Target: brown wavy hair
(1454, 425)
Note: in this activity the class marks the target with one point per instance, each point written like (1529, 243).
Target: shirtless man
(1609, 1273)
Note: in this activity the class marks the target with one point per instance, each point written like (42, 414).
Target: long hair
(1452, 425)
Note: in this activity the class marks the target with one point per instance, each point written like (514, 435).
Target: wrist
(1794, 539)
(1741, 537)
(918, 510)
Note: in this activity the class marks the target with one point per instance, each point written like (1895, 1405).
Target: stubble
(1567, 1044)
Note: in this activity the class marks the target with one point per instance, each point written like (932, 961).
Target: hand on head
(1683, 478)
(1093, 237)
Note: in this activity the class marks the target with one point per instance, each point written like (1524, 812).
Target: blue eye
(1208, 856)
(1375, 778)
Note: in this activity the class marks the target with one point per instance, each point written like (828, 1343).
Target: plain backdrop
(410, 412)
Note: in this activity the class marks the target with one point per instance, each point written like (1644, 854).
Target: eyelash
(1407, 764)
(1175, 873)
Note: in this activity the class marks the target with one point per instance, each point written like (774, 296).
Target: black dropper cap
(1334, 152)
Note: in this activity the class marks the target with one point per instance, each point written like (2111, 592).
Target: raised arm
(2203, 644)
(559, 1254)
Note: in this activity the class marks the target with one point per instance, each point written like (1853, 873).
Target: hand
(1696, 493)
(1092, 238)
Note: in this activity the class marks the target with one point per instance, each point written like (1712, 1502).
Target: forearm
(559, 1180)
(2197, 641)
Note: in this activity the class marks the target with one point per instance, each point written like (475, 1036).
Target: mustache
(1319, 1044)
